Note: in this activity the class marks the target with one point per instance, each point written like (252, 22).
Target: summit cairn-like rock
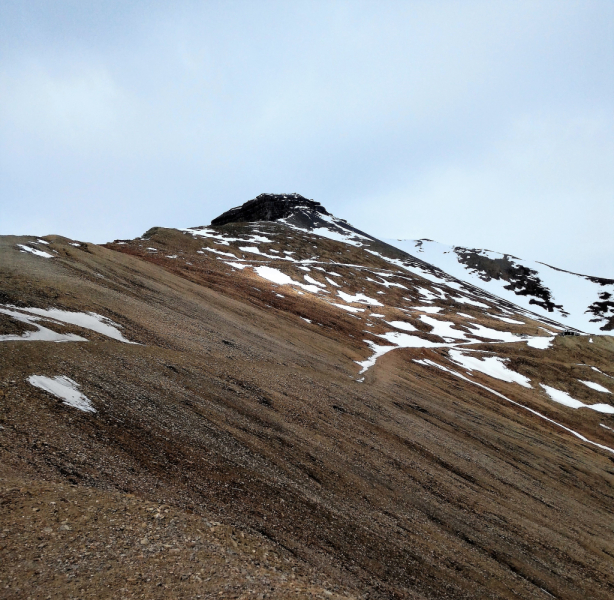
(270, 207)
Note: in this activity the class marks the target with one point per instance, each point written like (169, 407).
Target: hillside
(579, 301)
(290, 408)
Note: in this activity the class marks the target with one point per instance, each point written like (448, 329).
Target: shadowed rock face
(269, 207)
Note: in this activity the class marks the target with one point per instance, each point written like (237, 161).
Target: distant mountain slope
(579, 301)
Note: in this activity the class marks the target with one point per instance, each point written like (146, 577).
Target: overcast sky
(480, 123)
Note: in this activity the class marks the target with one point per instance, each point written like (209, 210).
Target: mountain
(282, 405)
(580, 301)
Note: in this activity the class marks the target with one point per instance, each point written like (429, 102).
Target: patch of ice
(493, 366)
(64, 388)
(35, 251)
(565, 399)
(595, 386)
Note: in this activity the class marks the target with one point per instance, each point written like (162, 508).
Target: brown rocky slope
(237, 450)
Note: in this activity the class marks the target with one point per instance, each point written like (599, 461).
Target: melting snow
(236, 265)
(427, 294)
(42, 334)
(443, 328)
(492, 366)
(35, 251)
(574, 292)
(360, 298)
(541, 343)
(276, 276)
(402, 325)
(229, 254)
(595, 386)
(428, 362)
(351, 309)
(64, 388)
(465, 300)
(506, 320)
(428, 309)
(91, 321)
(252, 249)
(309, 279)
(598, 371)
(493, 334)
(564, 398)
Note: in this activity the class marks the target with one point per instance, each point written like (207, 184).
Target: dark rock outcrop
(270, 207)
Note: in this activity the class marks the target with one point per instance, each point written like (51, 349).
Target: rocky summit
(279, 405)
(270, 207)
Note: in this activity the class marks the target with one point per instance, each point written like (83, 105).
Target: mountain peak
(271, 207)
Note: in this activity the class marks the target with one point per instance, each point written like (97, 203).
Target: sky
(487, 124)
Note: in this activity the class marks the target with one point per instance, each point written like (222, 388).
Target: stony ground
(234, 453)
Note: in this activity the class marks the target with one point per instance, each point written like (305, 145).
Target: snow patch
(493, 366)
(359, 298)
(64, 388)
(565, 399)
(595, 386)
(35, 251)
(541, 343)
(91, 321)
